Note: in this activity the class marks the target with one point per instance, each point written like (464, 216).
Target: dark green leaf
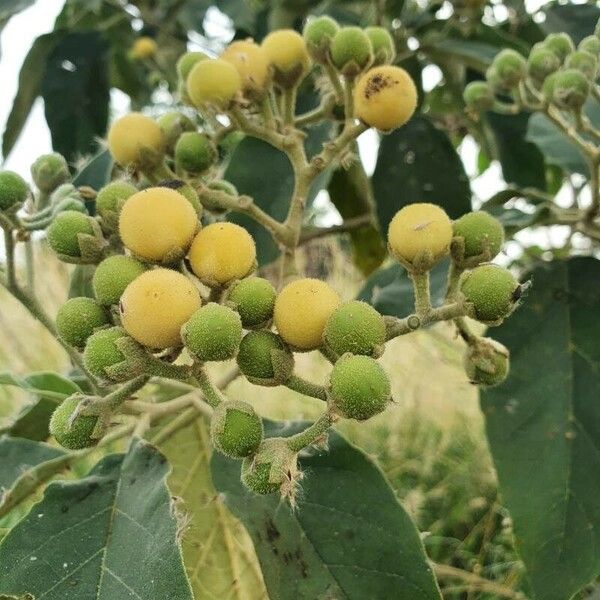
(348, 537)
(12, 7)
(543, 426)
(417, 163)
(107, 536)
(96, 172)
(81, 281)
(473, 54)
(578, 20)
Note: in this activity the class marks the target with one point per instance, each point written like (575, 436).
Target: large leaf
(96, 172)
(348, 537)
(543, 426)
(109, 535)
(578, 20)
(417, 163)
(217, 551)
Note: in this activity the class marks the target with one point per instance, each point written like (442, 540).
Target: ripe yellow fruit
(302, 309)
(158, 224)
(286, 51)
(385, 97)
(144, 47)
(156, 305)
(222, 252)
(251, 63)
(135, 139)
(214, 82)
(420, 229)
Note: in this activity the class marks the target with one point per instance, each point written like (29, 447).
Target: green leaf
(543, 427)
(109, 535)
(578, 20)
(348, 537)
(474, 54)
(80, 283)
(217, 551)
(96, 172)
(76, 91)
(417, 163)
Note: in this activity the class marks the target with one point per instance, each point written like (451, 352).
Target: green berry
(479, 96)
(382, 43)
(112, 196)
(13, 190)
(113, 275)
(318, 34)
(195, 153)
(493, 292)
(481, 233)
(187, 61)
(79, 434)
(590, 44)
(257, 477)
(360, 388)
(253, 298)
(64, 231)
(264, 358)
(222, 186)
(77, 318)
(236, 429)
(273, 465)
(101, 351)
(561, 44)
(173, 124)
(351, 50)
(570, 89)
(510, 67)
(49, 171)
(584, 62)
(355, 327)
(541, 63)
(487, 363)
(214, 332)
(186, 190)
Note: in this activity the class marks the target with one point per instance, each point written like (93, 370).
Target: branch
(352, 224)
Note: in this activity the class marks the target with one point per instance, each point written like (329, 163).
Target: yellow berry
(286, 51)
(157, 224)
(136, 139)
(222, 252)
(385, 97)
(251, 63)
(213, 81)
(156, 305)
(420, 231)
(302, 309)
(144, 47)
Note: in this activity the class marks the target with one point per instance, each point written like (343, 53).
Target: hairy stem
(307, 388)
(311, 434)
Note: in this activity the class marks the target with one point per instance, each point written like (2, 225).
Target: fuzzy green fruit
(493, 292)
(382, 43)
(570, 89)
(77, 318)
(195, 153)
(318, 34)
(236, 430)
(112, 196)
(360, 388)
(355, 327)
(64, 231)
(351, 51)
(101, 351)
(49, 171)
(481, 232)
(273, 466)
(213, 333)
(541, 63)
(79, 434)
(13, 190)
(510, 68)
(173, 125)
(187, 62)
(113, 275)
(264, 358)
(253, 298)
(590, 44)
(560, 44)
(487, 363)
(583, 61)
(479, 96)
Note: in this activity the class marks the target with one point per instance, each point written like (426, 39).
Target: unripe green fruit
(318, 34)
(355, 327)
(382, 43)
(64, 231)
(101, 351)
(186, 63)
(112, 196)
(49, 171)
(236, 430)
(541, 63)
(487, 363)
(481, 232)
(253, 298)
(257, 477)
(214, 332)
(570, 89)
(173, 124)
(351, 51)
(186, 190)
(194, 152)
(478, 96)
(79, 434)
(584, 62)
(13, 190)
(113, 275)
(273, 465)
(360, 388)
(261, 355)
(493, 292)
(77, 318)
(559, 43)
(590, 44)
(510, 67)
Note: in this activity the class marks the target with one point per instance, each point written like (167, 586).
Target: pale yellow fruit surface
(251, 63)
(302, 309)
(213, 81)
(222, 252)
(130, 135)
(155, 306)
(286, 50)
(419, 228)
(144, 47)
(385, 97)
(157, 224)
